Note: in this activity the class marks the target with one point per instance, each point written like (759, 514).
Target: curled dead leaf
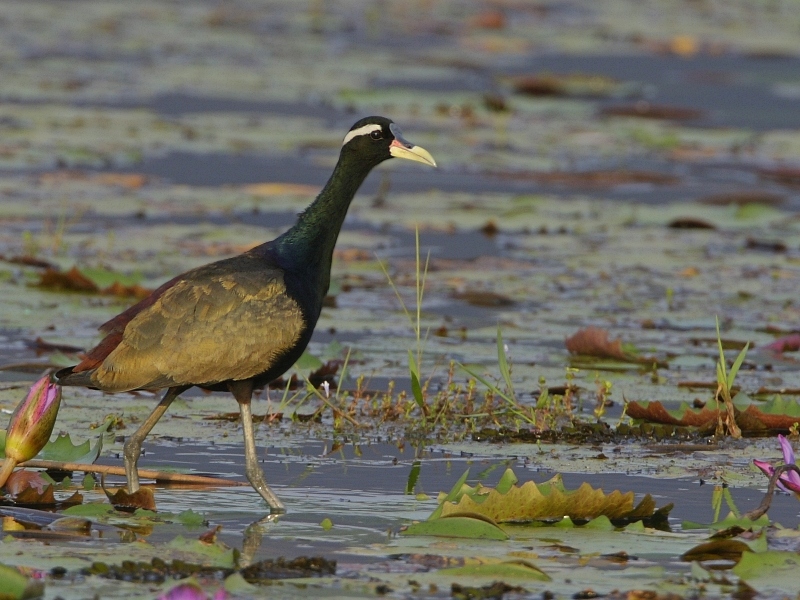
(71, 281)
(126, 291)
(776, 415)
(22, 479)
(122, 500)
(717, 550)
(483, 298)
(75, 281)
(40, 346)
(593, 341)
(690, 223)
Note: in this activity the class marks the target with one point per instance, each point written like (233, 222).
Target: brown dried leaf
(489, 19)
(765, 245)
(754, 418)
(593, 341)
(40, 346)
(75, 281)
(122, 500)
(22, 479)
(30, 261)
(126, 291)
(717, 550)
(71, 281)
(690, 223)
(483, 298)
(131, 181)
(28, 487)
(778, 414)
(655, 412)
(280, 189)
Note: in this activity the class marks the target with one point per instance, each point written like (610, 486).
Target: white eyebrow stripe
(365, 130)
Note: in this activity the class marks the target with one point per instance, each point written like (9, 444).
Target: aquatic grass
(285, 402)
(415, 361)
(723, 493)
(725, 381)
(508, 394)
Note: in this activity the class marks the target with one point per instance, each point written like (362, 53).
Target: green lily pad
(63, 449)
(499, 570)
(771, 566)
(217, 554)
(15, 585)
(458, 527)
(190, 518)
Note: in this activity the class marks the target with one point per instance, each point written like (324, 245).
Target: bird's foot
(256, 478)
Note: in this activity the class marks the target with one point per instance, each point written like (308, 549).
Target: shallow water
(212, 98)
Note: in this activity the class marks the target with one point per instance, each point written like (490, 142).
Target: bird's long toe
(256, 478)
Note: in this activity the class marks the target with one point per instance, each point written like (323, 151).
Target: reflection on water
(362, 489)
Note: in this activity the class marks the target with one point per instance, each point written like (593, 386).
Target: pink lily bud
(31, 424)
(191, 591)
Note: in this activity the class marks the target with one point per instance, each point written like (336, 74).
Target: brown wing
(210, 328)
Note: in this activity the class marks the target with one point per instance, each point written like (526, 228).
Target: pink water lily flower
(31, 424)
(788, 481)
(191, 591)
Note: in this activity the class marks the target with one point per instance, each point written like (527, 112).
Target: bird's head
(375, 139)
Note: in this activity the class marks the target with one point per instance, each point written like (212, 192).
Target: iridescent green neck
(311, 241)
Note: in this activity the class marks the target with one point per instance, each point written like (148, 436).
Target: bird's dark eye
(376, 135)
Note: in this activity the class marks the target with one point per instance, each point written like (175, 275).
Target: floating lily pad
(516, 570)
(458, 527)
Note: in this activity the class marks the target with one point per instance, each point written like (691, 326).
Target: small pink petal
(786, 448)
(790, 343)
(184, 591)
(792, 477)
(769, 471)
(765, 467)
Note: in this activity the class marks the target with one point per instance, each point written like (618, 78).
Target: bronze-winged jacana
(239, 323)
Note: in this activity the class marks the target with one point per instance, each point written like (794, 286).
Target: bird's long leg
(133, 446)
(243, 392)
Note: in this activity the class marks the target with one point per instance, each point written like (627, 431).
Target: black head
(375, 139)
